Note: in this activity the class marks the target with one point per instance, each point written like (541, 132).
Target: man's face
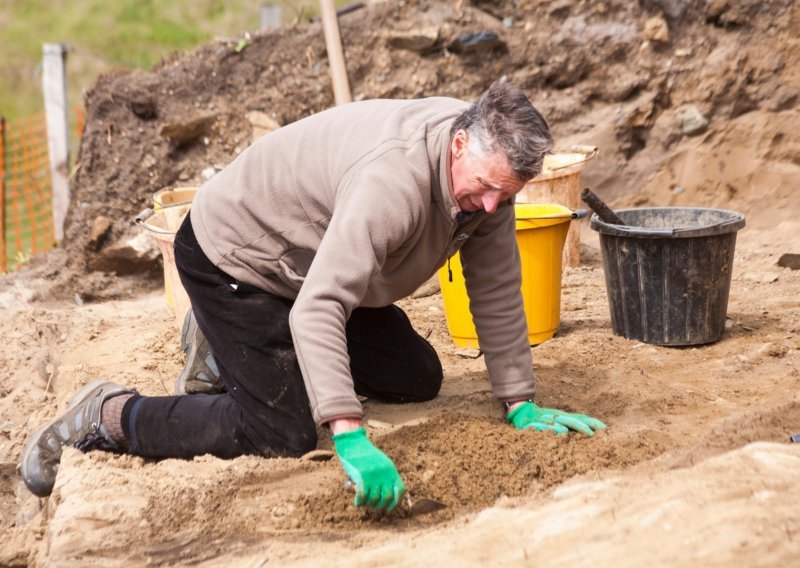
(480, 183)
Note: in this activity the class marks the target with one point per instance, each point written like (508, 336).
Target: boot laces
(92, 440)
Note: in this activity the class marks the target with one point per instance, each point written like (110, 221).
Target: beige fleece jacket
(354, 207)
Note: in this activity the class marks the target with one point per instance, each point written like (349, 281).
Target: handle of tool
(603, 211)
(333, 44)
(578, 214)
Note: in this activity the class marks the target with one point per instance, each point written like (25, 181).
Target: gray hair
(504, 120)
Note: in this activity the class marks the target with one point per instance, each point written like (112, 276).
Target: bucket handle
(589, 153)
(732, 221)
(143, 216)
(626, 230)
(141, 219)
(577, 214)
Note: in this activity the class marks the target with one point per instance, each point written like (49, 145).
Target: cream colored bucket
(162, 226)
(560, 182)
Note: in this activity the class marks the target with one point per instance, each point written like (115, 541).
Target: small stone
(790, 261)
(128, 255)
(656, 29)
(100, 227)
(468, 353)
(262, 123)
(478, 42)
(208, 173)
(760, 277)
(419, 40)
(692, 120)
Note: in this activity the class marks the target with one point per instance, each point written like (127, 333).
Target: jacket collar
(439, 148)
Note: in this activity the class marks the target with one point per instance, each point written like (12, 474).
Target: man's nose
(490, 201)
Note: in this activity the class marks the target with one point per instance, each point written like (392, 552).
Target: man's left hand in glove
(529, 415)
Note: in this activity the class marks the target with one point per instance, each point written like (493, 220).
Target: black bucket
(668, 272)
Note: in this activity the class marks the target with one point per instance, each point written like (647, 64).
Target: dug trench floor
(675, 458)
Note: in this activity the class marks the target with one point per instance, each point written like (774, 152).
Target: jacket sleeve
(491, 263)
(372, 217)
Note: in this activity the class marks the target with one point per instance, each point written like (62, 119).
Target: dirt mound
(462, 461)
(640, 80)
(772, 424)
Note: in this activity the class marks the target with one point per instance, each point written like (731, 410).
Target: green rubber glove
(528, 415)
(376, 479)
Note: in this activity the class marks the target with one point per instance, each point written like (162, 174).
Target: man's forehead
(497, 171)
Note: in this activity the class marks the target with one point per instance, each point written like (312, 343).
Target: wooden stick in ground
(54, 87)
(3, 251)
(333, 43)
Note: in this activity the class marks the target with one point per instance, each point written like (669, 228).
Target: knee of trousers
(287, 439)
(428, 380)
(432, 384)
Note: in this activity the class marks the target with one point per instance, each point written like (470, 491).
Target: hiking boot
(78, 426)
(200, 374)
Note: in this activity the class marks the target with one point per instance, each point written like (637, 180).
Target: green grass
(107, 35)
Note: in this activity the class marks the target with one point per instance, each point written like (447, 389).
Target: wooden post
(333, 43)
(3, 249)
(270, 17)
(54, 84)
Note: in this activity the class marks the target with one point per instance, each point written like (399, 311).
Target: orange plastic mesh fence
(26, 193)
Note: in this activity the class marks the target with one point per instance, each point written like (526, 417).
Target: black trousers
(265, 410)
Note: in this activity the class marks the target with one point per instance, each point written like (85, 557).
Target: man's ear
(459, 143)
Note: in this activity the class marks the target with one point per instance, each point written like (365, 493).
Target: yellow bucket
(541, 233)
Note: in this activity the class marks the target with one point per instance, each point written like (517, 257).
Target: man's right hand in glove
(374, 475)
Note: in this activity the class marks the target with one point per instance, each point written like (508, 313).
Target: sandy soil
(696, 465)
(510, 495)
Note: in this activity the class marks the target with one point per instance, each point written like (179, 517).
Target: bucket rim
(145, 220)
(554, 211)
(548, 215)
(732, 224)
(582, 156)
(158, 195)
